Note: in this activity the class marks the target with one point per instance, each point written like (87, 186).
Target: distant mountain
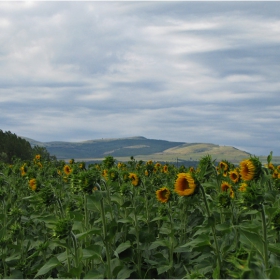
(140, 148)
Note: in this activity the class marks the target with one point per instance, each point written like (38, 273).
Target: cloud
(180, 71)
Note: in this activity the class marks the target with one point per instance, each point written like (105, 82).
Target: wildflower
(38, 157)
(234, 176)
(250, 169)
(225, 186)
(185, 184)
(105, 174)
(223, 165)
(192, 170)
(157, 165)
(113, 174)
(275, 174)
(135, 180)
(243, 187)
(67, 169)
(33, 184)
(163, 194)
(23, 169)
(165, 169)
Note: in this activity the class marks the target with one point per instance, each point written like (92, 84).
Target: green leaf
(163, 218)
(124, 273)
(163, 269)
(90, 254)
(94, 274)
(125, 221)
(158, 243)
(84, 234)
(274, 272)
(116, 198)
(274, 248)
(201, 240)
(16, 274)
(49, 265)
(252, 240)
(123, 246)
(223, 227)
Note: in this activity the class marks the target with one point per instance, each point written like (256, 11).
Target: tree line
(12, 147)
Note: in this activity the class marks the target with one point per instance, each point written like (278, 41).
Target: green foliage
(12, 147)
(96, 222)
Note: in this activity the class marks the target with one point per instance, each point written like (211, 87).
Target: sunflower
(223, 165)
(33, 184)
(23, 169)
(38, 157)
(225, 186)
(192, 170)
(243, 187)
(275, 174)
(82, 165)
(163, 194)
(135, 180)
(234, 176)
(146, 173)
(185, 184)
(250, 169)
(157, 165)
(105, 174)
(67, 169)
(165, 169)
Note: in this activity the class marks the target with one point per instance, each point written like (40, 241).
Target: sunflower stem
(264, 236)
(213, 228)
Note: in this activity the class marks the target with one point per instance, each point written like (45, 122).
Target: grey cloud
(180, 71)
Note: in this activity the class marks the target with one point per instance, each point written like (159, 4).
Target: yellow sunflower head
(250, 169)
(243, 187)
(105, 174)
(165, 169)
(185, 184)
(223, 165)
(67, 169)
(234, 176)
(163, 194)
(38, 157)
(135, 180)
(275, 174)
(33, 184)
(225, 186)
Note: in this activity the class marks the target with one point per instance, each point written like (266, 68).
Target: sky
(194, 72)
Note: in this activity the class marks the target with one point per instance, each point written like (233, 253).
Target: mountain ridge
(139, 147)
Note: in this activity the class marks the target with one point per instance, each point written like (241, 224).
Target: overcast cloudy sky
(181, 71)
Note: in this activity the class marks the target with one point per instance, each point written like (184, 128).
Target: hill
(140, 148)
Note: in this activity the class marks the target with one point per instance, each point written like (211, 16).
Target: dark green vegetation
(12, 146)
(139, 220)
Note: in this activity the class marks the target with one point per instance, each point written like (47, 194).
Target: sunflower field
(139, 220)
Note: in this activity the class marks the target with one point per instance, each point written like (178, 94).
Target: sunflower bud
(63, 228)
